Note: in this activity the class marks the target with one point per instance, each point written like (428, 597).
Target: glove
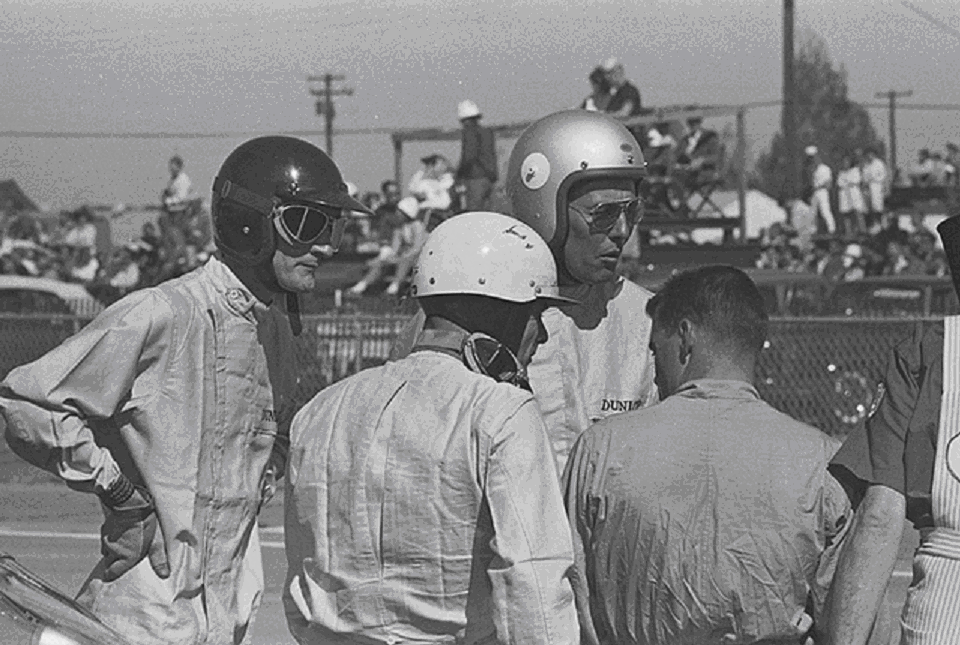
(130, 531)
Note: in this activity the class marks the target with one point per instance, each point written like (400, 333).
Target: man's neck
(252, 280)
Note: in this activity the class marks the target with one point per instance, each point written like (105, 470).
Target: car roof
(79, 299)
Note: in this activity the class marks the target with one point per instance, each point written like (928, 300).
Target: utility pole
(325, 102)
(789, 117)
(893, 95)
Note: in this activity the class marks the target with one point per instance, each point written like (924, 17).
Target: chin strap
(293, 313)
(486, 355)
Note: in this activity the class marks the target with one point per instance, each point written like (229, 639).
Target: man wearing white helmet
(574, 178)
(421, 501)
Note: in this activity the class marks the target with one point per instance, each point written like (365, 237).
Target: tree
(825, 117)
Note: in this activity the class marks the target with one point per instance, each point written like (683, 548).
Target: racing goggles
(486, 355)
(315, 224)
(603, 217)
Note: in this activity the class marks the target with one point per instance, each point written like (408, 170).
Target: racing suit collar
(237, 295)
(445, 341)
(708, 388)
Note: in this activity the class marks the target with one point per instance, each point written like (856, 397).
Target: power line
(41, 134)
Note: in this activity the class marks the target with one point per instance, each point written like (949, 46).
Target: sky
(212, 66)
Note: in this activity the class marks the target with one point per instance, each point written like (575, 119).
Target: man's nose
(620, 232)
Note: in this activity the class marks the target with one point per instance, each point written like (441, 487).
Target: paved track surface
(53, 531)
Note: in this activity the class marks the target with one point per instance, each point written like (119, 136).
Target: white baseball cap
(810, 150)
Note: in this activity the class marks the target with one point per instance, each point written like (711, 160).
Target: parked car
(37, 314)
(27, 295)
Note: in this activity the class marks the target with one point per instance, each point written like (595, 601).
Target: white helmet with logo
(558, 152)
(486, 254)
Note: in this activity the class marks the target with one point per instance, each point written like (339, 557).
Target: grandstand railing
(824, 371)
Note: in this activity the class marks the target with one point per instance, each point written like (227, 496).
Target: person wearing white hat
(477, 171)
(422, 505)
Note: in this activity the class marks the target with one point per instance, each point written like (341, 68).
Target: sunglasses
(315, 224)
(602, 217)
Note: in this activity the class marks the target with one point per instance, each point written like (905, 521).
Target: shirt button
(234, 295)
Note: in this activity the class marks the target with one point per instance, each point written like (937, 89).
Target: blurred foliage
(825, 118)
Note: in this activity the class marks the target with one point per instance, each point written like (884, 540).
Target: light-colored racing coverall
(708, 519)
(589, 368)
(422, 507)
(183, 388)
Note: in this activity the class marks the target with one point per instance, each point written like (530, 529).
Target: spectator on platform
(923, 172)
(179, 190)
(660, 151)
(600, 92)
(477, 171)
(699, 153)
(850, 198)
(875, 177)
(953, 163)
(430, 188)
(822, 181)
(625, 101)
(385, 228)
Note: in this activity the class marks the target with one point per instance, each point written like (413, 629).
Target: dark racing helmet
(558, 152)
(277, 177)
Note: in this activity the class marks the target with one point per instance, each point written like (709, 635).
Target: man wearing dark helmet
(173, 406)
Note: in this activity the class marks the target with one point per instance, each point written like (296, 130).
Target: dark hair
(177, 159)
(388, 182)
(721, 299)
(599, 77)
(503, 320)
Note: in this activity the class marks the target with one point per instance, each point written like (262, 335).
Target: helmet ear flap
(243, 234)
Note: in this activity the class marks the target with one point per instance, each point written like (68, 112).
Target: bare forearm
(864, 569)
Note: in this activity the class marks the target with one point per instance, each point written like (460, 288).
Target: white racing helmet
(487, 254)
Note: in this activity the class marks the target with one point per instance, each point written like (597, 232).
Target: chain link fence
(821, 371)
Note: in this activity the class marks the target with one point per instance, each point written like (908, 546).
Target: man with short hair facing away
(422, 504)
(173, 405)
(574, 177)
(710, 517)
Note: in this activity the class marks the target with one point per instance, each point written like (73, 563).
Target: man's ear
(686, 333)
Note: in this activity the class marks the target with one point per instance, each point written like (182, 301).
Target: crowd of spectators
(865, 238)
(71, 248)
(887, 248)
(936, 168)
